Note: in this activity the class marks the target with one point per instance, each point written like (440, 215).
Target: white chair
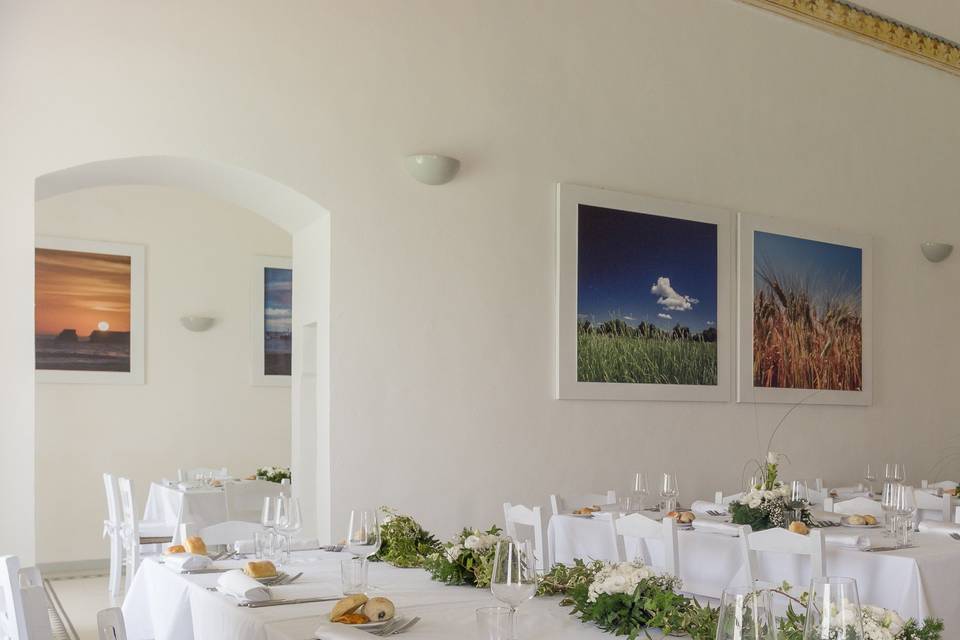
(245, 499)
(817, 496)
(110, 624)
(218, 473)
(517, 514)
(854, 506)
(23, 602)
(137, 533)
(222, 533)
(719, 498)
(925, 501)
(565, 504)
(113, 528)
(641, 528)
(782, 541)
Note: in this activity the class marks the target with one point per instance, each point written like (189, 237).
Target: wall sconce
(197, 323)
(430, 168)
(936, 251)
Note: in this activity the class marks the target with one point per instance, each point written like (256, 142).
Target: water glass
(353, 575)
(494, 623)
(905, 508)
(746, 613)
(833, 610)
(669, 491)
(264, 545)
(888, 503)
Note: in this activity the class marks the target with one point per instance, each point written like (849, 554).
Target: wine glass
(833, 610)
(268, 513)
(905, 508)
(514, 577)
(798, 497)
(669, 490)
(363, 537)
(899, 472)
(289, 519)
(870, 476)
(888, 503)
(641, 489)
(746, 613)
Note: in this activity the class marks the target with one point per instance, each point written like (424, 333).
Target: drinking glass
(833, 610)
(899, 472)
(904, 507)
(353, 575)
(669, 490)
(888, 503)
(289, 521)
(746, 613)
(888, 471)
(641, 489)
(870, 476)
(514, 577)
(798, 497)
(363, 537)
(268, 513)
(495, 623)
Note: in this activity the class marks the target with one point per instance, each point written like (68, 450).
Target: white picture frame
(569, 199)
(137, 255)
(748, 226)
(258, 377)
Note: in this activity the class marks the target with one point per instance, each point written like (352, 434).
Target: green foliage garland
(404, 543)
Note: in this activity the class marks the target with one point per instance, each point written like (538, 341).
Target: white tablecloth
(916, 582)
(167, 606)
(173, 507)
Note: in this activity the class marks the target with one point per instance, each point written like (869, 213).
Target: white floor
(82, 597)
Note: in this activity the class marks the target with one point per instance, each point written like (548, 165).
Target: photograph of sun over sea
(807, 314)
(646, 298)
(277, 321)
(82, 311)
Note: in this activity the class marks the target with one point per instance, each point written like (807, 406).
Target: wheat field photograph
(646, 298)
(807, 314)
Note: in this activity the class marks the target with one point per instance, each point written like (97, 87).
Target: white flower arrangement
(273, 474)
(618, 578)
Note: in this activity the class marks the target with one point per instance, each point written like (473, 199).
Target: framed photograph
(805, 321)
(644, 300)
(271, 321)
(89, 315)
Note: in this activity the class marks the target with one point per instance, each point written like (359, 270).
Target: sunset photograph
(82, 311)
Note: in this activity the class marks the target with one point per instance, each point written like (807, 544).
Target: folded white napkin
(189, 484)
(851, 540)
(242, 587)
(714, 526)
(297, 544)
(944, 484)
(334, 631)
(701, 507)
(944, 528)
(187, 561)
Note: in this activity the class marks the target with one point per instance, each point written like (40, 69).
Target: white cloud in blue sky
(670, 298)
(665, 316)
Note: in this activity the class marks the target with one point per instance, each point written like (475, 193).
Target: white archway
(309, 225)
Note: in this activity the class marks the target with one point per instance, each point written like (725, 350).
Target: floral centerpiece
(467, 559)
(404, 543)
(273, 474)
(767, 504)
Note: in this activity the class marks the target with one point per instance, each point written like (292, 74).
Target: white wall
(197, 407)
(442, 298)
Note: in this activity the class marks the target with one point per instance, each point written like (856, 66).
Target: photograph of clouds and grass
(807, 314)
(646, 298)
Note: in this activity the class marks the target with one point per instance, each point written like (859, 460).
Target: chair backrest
(13, 620)
(110, 624)
(641, 528)
(128, 508)
(858, 506)
(817, 496)
(932, 502)
(779, 540)
(223, 532)
(245, 499)
(564, 504)
(514, 514)
(719, 498)
(113, 498)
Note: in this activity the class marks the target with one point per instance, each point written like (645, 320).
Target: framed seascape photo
(805, 320)
(271, 321)
(89, 314)
(643, 298)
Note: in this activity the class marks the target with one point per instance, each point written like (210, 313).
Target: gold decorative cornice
(861, 24)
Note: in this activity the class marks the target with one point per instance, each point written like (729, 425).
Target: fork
(716, 514)
(404, 627)
(955, 536)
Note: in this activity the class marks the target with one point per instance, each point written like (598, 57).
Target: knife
(274, 603)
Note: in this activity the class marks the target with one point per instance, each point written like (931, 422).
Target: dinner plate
(581, 515)
(845, 523)
(370, 627)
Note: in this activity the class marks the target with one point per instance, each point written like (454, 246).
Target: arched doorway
(309, 225)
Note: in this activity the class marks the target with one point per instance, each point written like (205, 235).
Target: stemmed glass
(887, 472)
(888, 503)
(268, 518)
(798, 497)
(746, 613)
(904, 507)
(363, 541)
(899, 472)
(641, 488)
(669, 490)
(870, 476)
(289, 520)
(514, 577)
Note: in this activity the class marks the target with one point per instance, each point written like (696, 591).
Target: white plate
(326, 625)
(845, 523)
(581, 515)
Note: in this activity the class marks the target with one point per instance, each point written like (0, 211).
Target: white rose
(454, 552)
(773, 457)
(472, 542)
(754, 503)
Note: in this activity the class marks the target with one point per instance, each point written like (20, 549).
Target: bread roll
(798, 527)
(260, 569)
(856, 520)
(379, 609)
(346, 606)
(870, 519)
(176, 548)
(195, 545)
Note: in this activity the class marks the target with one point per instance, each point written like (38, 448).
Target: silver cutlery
(198, 571)
(404, 627)
(716, 514)
(285, 579)
(955, 536)
(276, 603)
(387, 629)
